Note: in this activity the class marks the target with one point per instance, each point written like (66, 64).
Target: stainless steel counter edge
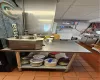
(58, 46)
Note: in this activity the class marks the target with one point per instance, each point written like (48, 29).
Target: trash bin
(7, 59)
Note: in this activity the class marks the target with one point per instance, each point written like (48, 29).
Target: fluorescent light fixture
(98, 32)
(41, 12)
(15, 12)
(45, 20)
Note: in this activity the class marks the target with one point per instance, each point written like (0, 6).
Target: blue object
(50, 60)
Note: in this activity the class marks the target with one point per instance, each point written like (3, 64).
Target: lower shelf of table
(42, 67)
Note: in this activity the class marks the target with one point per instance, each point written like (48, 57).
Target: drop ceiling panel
(87, 18)
(67, 2)
(61, 8)
(95, 14)
(81, 9)
(87, 2)
(78, 11)
(78, 18)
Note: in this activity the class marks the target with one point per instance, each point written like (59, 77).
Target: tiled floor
(80, 71)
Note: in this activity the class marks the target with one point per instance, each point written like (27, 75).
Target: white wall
(65, 34)
(69, 33)
(54, 27)
(80, 27)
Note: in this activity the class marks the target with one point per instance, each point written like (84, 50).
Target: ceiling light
(41, 12)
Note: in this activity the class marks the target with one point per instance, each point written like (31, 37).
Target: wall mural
(8, 10)
(7, 21)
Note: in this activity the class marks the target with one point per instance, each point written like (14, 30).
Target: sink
(27, 37)
(25, 44)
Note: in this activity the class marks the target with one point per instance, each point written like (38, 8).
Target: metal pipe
(23, 15)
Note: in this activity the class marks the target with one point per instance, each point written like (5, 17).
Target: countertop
(58, 46)
(24, 39)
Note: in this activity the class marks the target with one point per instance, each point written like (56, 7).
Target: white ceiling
(78, 9)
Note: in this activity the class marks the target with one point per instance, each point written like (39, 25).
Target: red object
(54, 53)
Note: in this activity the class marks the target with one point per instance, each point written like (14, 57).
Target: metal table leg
(18, 61)
(70, 63)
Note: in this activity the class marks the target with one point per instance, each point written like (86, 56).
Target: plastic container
(50, 62)
(52, 55)
(63, 61)
(25, 60)
(39, 56)
(36, 62)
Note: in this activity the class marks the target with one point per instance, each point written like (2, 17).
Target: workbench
(56, 46)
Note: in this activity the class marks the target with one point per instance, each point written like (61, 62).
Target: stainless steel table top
(65, 46)
(58, 46)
